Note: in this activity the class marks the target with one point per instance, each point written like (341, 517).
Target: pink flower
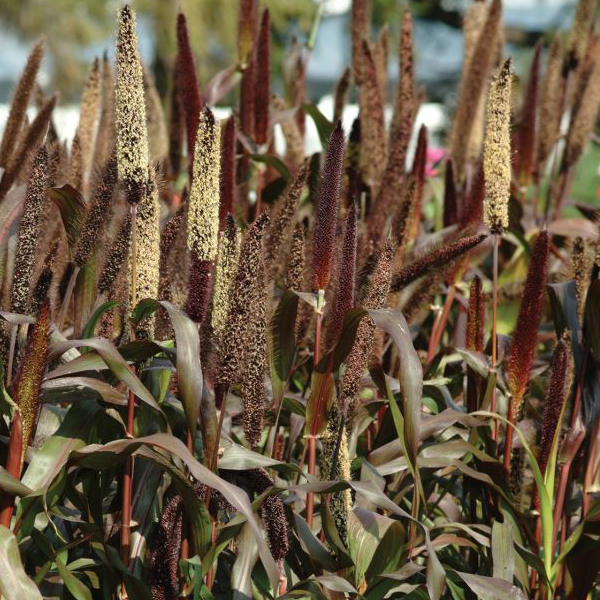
(433, 158)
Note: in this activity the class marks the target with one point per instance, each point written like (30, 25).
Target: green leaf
(323, 124)
(70, 389)
(90, 328)
(503, 552)
(115, 362)
(11, 485)
(274, 162)
(72, 209)
(282, 345)
(491, 588)
(175, 447)
(14, 583)
(79, 591)
(315, 549)
(241, 573)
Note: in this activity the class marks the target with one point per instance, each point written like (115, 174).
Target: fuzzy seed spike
(132, 135)
(30, 374)
(583, 21)
(177, 125)
(158, 142)
(227, 261)
(203, 215)
(522, 346)
(342, 89)
(433, 260)
(402, 117)
(282, 222)
(19, 103)
(346, 279)
(227, 180)
(199, 287)
(94, 220)
(496, 151)
(263, 81)
(555, 399)
(29, 230)
(473, 85)
(525, 142)
(105, 138)
(360, 26)
(28, 143)
(248, 17)
(327, 209)
(450, 200)
(472, 210)
(116, 257)
(188, 84)
(475, 322)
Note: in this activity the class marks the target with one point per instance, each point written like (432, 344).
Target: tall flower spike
(247, 18)
(203, 215)
(373, 146)
(177, 126)
(158, 142)
(188, 85)
(227, 260)
(342, 90)
(474, 83)
(105, 139)
(450, 200)
(42, 286)
(555, 399)
(199, 287)
(295, 267)
(27, 144)
(89, 114)
(418, 172)
(433, 260)
(327, 209)
(132, 136)
(91, 230)
(346, 279)
(116, 256)
(471, 212)
(282, 221)
(29, 229)
(147, 225)
(19, 103)
(272, 514)
(496, 151)
(581, 265)
(402, 117)
(227, 185)
(524, 339)
(360, 32)
(550, 115)
(164, 555)
(475, 324)
(241, 301)
(580, 31)
(263, 81)
(525, 142)
(30, 374)
(585, 108)
(255, 351)
(374, 297)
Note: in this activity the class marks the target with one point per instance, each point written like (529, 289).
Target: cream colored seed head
(89, 114)
(496, 151)
(229, 250)
(132, 137)
(147, 254)
(203, 216)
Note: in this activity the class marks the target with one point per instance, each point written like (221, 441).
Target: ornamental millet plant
(176, 418)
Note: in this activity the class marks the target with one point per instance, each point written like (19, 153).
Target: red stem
(127, 485)
(440, 325)
(13, 466)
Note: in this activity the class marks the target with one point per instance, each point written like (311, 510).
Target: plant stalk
(13, 466)
(496, 244)
(440, 325)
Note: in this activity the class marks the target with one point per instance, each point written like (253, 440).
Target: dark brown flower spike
(42, 286)
(116, 257)
(360, 28)
(403, 114)
(19, 103)
(248, 17)
(227, 180)
(188, 85)
(418, 172)
(96, 213)
(199, 287)
(346, 278)
(263, 81)
(29, 230)
(433, 260)
(475, 319)
(295, 267)
(524, 339)
(471, 212)
(526, 136)
(247, 92)
(272, 514)
(177, 124)
(327, 209)
(105, 136)
(555, 399)
(27, 144)
(450, 200)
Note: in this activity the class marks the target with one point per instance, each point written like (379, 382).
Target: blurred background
(79, 30)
